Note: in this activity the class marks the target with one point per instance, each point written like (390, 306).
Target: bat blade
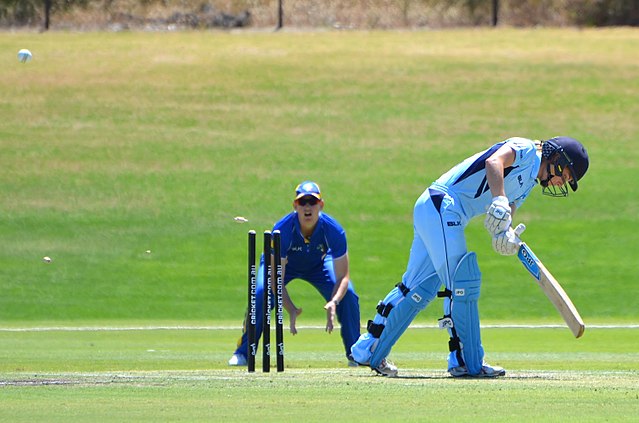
(552, 289)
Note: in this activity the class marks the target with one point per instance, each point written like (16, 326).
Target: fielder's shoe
(237, 360)
(486, 371)
(386, 368)
(351, 362)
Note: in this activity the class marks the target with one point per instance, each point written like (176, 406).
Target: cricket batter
(493, 183)
(314, 249)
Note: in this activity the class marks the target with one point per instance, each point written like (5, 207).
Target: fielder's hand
(507, 243)
(330, 308)
(292, 318)
(498, 218)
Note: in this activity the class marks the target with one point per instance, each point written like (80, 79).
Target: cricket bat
(550, 286)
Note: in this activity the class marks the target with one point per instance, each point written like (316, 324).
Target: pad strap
(384, 309)
(446, 293)
(375, 329)
(403, 288)
(453, 345)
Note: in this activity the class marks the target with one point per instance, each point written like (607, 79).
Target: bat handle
(518, 231)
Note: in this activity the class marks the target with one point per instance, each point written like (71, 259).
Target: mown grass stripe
(143, 328)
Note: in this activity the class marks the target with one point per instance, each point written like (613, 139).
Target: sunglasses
(307, 200)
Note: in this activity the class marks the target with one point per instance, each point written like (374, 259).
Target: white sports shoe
(486, 371)
(386, 368)
(237, 360)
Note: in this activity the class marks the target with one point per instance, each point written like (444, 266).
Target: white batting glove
(507, 243)
(498, 218)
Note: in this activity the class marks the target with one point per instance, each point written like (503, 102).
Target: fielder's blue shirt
(467, 183)
(307, 256)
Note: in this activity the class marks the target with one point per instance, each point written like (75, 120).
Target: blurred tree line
(340, 13)
(31, 12)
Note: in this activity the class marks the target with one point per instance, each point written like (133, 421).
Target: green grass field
(179, 375)
(115, 144)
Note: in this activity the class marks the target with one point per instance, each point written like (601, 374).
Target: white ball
(24, 55)
(46, 259)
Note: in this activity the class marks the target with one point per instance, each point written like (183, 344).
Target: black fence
(337, 14)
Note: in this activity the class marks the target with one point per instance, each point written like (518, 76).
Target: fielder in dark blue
(314, 249)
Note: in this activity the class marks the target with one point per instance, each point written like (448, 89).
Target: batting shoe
(386, 368)
(237, 360)
(486, 371)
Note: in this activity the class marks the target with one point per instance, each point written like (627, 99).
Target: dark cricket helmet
(571, 154)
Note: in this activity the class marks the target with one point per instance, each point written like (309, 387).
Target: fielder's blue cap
(308, 188)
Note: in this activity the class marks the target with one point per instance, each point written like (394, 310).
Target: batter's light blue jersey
(467, 183)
